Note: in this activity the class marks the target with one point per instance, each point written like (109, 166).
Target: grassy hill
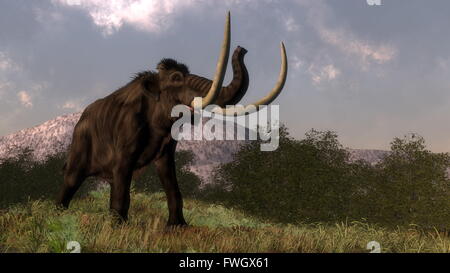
(37, 226)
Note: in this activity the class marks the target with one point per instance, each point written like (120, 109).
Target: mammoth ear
(151, 88)
(176, 79)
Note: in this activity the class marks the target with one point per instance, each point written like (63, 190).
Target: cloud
(296, 62)
(323, 73)
(290, 24)
(443, 64)
(366, 52)
(25, 99)
(74, 105)
(6, 63)
(39, 86)
(4, 86)
(49, 19)
(7, 66)
(149, 15)
(33, 89)
(146, 15)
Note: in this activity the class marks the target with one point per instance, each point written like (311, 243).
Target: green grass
(37, 226)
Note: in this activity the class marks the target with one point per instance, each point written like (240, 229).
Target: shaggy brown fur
(130, 128)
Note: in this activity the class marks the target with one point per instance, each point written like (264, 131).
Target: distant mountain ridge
(55, 136)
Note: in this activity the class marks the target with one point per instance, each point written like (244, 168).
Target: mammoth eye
(176, 77)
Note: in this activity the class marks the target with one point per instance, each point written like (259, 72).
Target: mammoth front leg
(165, 167)
(120, 191)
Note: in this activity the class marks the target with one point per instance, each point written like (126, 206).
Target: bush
(306, 180)
(412, 185)
(22, 178)
(313, 180)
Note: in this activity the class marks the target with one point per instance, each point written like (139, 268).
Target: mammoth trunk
(233, 93)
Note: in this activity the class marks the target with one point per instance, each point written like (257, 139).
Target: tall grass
(38, 227)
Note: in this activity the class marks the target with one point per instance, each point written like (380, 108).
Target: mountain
(371, 156)
(46, 139)
(55, 136)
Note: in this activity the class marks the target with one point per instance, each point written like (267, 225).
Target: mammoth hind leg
(120, 193)
(72, 182)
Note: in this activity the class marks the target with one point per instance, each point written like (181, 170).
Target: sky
(369, 73)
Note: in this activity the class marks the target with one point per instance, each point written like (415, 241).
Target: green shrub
(307, 180)
(313, 180)
(23, 179)
(412, 185)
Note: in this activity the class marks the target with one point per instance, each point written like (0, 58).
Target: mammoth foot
(176, 225)
(118, 219)
(60, 206)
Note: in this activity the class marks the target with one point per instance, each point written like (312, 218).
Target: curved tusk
(273, 94)
(221, 68)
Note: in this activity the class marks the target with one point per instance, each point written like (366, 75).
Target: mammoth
(120, 134)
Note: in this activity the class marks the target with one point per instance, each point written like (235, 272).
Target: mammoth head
(171, 74)
(176, 76)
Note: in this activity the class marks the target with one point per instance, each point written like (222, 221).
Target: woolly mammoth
(130, 128)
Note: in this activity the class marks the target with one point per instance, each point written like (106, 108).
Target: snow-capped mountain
(55, 136)
(46, 139)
